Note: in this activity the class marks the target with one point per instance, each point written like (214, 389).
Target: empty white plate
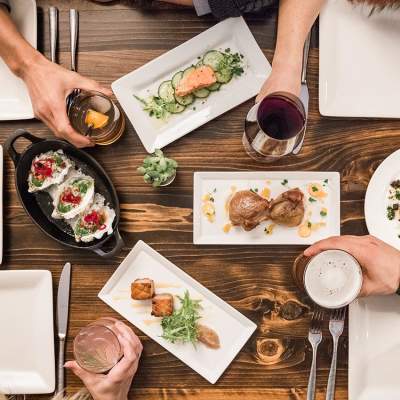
(359, 61)
(374, 348)
(15, 102)
(232, 33)
(26, 332)
(221, 186)
(376, 201)
(232, 327)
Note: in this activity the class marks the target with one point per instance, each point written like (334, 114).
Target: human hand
(379, 261)
(49, 86)
(115, 385)
(281, 79)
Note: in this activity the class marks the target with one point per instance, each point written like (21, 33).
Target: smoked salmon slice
(201, 77)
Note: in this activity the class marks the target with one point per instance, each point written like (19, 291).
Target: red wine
(279, 118)
(274, 127)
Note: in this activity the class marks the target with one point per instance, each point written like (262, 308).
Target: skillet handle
(9, 144)
(119, 242)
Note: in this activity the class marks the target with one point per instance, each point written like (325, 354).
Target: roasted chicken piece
(142, 289)
(208, 336)
(162, 305)
(248, 209)
(288, 208)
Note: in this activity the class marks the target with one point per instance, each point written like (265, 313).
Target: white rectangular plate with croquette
(161, 113)
(143, 264)
(268, 207)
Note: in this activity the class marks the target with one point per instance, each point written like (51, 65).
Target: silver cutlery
(314, 337)
(53, 18)
(74, 30)
(336, 325)
(304, 95)
(62, 320)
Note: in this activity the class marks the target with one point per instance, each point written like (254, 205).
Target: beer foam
(333, 278)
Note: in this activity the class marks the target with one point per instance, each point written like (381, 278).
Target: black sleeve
(234, 8)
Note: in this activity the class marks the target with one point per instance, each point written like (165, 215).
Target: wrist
(25, 61)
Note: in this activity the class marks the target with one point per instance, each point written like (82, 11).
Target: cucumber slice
(185, 100)
(174, 108)
(188, 71)
(214, 87)
(201, 93)
(176, 79)
(223, 76)
(167, 92)
(213, 58)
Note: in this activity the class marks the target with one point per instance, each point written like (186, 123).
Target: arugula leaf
(181, 326)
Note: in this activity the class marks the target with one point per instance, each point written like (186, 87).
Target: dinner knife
(304, 96)
(53, 18)
(62, 320)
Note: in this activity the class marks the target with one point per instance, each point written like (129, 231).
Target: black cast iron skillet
(39, 205)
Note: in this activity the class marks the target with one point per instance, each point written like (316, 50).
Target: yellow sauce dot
(206, 197)
(305, 229)
(227, 227)
(266, 193)
(316, 190)
(208, 208)
(269, 229)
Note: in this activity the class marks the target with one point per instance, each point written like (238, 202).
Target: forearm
(17, 53)
(294, 22)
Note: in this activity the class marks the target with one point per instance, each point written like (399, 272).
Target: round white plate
(376, 201)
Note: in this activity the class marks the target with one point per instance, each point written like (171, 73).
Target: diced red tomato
(69, 197)
(44, 167)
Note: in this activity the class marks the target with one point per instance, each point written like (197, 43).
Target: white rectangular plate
(232, 33)
(27, 364)
(232, 327)
(206, 232)
(374, 348)
(15, 102)
(359, 61)
(1, 202)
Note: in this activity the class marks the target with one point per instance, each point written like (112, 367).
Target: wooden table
(256, 280)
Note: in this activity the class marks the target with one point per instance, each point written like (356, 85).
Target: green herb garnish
(311, 200)
(37, 182)
(64, 208)
(390, 213)
(155, 106)
(255, 190)
(181, 326)
(284, 182)
(157, 169)
(314, 188)
(231, 62)
(323, 213)
(309, 224)
(326, 181)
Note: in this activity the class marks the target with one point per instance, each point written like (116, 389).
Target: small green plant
(158, 169)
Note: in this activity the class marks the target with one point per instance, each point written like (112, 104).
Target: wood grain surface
(256, 280)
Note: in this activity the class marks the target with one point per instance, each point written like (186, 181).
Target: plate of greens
(193, 83)
(176, 311)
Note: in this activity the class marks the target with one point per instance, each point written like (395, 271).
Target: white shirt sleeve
(201, 6)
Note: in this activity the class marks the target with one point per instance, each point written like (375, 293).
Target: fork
(314, 337)
(336, 325)
(74, 29)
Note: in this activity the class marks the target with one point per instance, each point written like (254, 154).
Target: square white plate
(1, 202)
(15, 102)
(205, 232)
(26, 332)
(232, 327)
(232, 33)
(374, 348)
(359, 61)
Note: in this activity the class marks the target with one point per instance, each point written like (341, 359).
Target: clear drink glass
(332, 278)
(96, 347)
(274, 127)
(96, 115)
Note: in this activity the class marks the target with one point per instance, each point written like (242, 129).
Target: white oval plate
(376, 201)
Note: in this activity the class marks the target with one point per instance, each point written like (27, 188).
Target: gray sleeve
(234, 8)
(202, 7)
(5, 3)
